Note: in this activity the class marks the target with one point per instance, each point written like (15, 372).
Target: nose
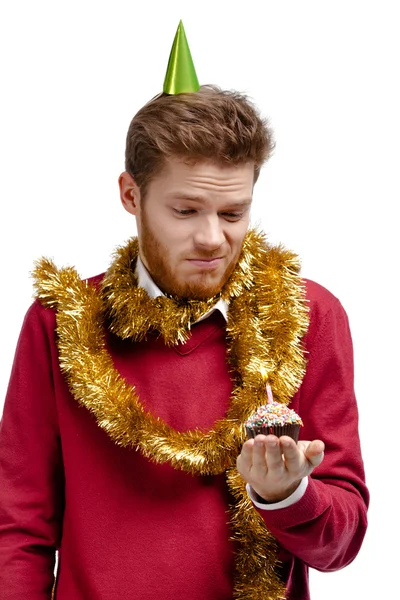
(209, 234)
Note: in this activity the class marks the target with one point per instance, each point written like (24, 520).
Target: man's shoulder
(39, 312)
(323, 304)
(319, 297)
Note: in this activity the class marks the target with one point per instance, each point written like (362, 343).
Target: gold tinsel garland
(268, 317)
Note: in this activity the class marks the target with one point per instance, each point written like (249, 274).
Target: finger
(314, 452)
(259, 453)
(244, 461)
(273, 453)
(292, 456)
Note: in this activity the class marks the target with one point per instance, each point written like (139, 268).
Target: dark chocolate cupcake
(276, 419)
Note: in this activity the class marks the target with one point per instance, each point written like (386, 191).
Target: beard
(157, 260)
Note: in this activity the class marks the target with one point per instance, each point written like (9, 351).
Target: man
(122, 443)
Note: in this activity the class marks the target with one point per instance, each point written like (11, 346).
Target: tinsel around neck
(267, 319)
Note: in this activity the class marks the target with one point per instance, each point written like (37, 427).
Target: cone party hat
(181, 75)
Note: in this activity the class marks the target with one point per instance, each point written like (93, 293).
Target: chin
(196, 290)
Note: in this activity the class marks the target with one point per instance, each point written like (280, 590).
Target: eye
(232, 216)
(184, 212)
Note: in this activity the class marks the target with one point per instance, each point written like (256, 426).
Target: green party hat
(181, 75)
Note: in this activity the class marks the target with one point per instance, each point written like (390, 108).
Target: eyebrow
(201, 200)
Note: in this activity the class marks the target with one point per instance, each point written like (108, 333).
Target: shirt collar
(145, 281)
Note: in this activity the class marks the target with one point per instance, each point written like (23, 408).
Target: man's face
(191, 225)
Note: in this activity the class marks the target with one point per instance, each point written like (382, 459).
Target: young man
(122, 443)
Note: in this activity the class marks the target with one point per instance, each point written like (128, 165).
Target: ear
(129, 193)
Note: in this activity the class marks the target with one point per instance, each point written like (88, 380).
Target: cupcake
(275, 418)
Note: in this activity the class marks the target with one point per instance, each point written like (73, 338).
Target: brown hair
(213, 124)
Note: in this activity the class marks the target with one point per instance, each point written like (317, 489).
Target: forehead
(181, 174)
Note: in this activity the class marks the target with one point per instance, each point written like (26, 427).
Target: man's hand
(275, 466)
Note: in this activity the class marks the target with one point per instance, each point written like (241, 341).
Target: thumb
(314, 452)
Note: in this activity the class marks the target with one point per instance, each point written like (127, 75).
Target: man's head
(191, 163)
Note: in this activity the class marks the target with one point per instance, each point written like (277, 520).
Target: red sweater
(128, 528)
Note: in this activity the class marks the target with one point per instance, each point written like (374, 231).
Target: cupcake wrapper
(278, 430)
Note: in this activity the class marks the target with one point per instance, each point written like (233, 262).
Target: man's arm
(31, 473)
(326, 526)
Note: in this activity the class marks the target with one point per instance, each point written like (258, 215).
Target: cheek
(165, 232)
(180, 235)
(236, 237)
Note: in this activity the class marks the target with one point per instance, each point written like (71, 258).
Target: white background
(326, 73)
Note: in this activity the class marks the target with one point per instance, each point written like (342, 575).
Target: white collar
(145, 281)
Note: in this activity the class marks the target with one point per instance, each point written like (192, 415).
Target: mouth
(206, 263)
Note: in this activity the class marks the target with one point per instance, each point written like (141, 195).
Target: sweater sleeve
(31, 474)
(326, 527)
